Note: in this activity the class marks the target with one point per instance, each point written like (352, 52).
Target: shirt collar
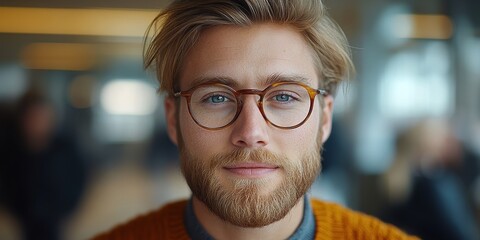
(306, 230)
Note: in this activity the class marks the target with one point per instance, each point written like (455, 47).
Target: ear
(171, 117)
(327, 115)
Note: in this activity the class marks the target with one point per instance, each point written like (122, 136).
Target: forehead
(249, 56)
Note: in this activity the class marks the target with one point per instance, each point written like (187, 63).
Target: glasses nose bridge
(258, 102)
(244, 92)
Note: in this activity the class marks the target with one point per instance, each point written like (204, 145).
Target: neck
(220, 229)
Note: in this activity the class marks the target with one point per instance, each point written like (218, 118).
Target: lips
(251, 169)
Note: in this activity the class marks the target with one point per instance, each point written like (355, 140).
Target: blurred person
(42, 172)
(249, 103)
(427, 196)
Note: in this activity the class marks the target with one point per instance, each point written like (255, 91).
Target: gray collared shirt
(305, 231)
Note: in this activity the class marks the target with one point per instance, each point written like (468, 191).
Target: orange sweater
(333, 222)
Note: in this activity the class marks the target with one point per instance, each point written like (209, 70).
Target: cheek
(301, 139)
(312, 127)
(197, 140)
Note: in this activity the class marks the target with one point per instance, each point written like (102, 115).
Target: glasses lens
(286, 105)
(213, 106)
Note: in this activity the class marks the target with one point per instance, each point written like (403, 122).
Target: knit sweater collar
(306, 230)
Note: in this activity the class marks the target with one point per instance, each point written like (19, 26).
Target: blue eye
(283, 98)
(217, 99)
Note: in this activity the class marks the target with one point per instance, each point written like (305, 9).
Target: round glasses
(285, 105)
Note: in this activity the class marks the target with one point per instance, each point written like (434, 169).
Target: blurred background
(83, 145)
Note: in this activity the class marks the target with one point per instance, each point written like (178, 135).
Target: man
(249, 104)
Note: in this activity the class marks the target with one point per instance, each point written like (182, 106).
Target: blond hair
(176, 30)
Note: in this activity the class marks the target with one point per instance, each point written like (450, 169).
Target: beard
(243, 202)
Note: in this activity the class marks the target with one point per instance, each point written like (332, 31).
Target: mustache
(248, 155)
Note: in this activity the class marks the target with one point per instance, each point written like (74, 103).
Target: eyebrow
(271, 79)
(218, 79)
(274, 78)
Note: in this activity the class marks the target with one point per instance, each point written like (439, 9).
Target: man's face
(249, 173)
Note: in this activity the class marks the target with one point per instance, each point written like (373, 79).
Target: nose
(250, 130)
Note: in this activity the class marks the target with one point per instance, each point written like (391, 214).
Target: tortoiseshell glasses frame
(237, 94)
